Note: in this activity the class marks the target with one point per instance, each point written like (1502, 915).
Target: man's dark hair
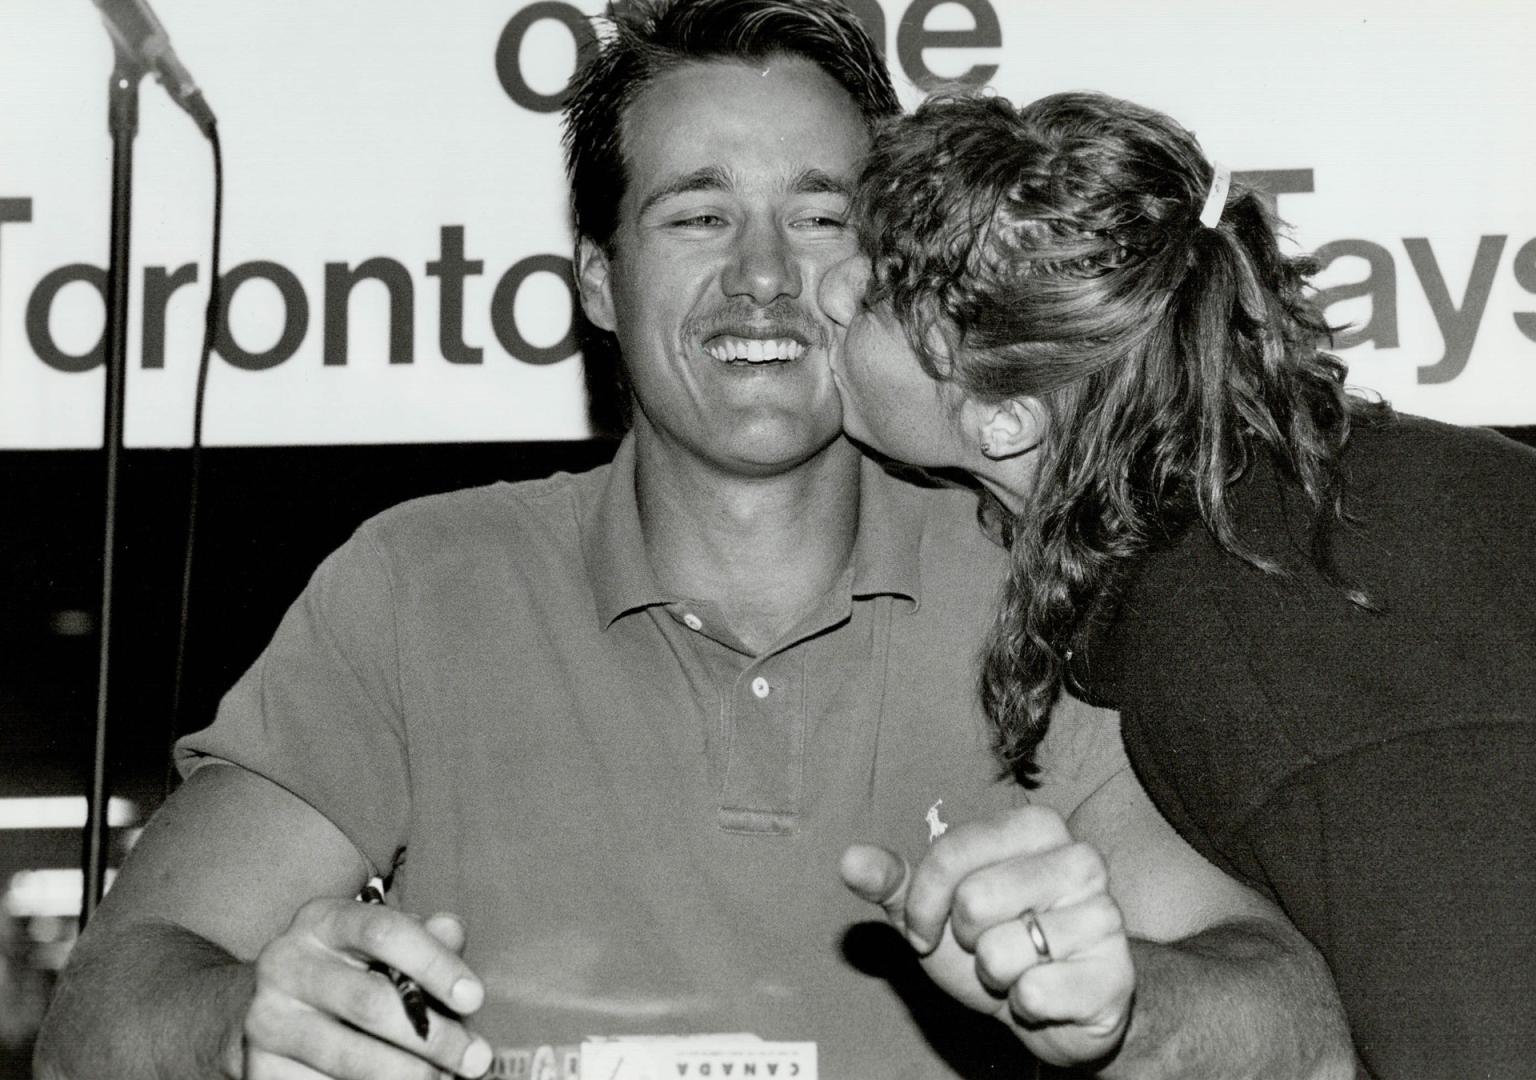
(647, 38)
(651, 37)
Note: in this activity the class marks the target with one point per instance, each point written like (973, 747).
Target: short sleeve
(319, 712)
(1080, 753)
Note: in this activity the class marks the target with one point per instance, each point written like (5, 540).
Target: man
(623, 724)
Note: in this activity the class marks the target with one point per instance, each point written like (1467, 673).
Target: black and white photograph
(708, 539)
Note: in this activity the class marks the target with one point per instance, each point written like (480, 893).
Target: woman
(1317, 617)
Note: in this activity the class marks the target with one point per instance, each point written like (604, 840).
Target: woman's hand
(1013, 918)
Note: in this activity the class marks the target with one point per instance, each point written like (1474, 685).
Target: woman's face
(889, 402)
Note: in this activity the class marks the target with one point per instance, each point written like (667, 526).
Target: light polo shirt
(638, 818)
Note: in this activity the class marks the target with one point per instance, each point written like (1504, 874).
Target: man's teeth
(755, 350)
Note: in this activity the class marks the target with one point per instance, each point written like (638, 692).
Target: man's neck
(765, 549)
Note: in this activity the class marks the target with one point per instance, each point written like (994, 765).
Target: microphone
(140, 36)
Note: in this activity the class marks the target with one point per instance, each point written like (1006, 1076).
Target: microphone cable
(195, 461)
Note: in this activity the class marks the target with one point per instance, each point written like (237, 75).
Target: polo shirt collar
(890, 538)
(885, 550)
(621, 575)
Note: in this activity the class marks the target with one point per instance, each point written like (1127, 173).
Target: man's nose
(842, 289)
(765, 267)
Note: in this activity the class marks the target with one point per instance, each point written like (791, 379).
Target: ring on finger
(1031, 923)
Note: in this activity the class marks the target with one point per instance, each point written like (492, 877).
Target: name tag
(696, 1057)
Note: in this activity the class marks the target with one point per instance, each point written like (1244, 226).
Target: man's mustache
(782, 318)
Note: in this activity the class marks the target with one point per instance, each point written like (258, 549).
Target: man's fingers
(318, 1012)
(319, 1043)
(382, 934)
(1006, 951)
(261, 1065)
(995, 894)
(1091, 992)
(968, 848)
(370, 1002)
(879, 876)
(447, 928)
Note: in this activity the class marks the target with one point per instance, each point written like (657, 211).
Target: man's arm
(230, 942)
(1225, 985)
(1158, 965)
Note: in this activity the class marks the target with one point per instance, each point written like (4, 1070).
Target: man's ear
(1006, 428)
(592, 280)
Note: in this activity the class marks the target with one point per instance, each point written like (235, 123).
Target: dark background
(267, 516)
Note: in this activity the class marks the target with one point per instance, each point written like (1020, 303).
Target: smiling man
(738, 183)
(623, 724)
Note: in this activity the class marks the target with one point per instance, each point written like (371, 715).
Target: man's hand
(319, 1010)
(966, 909)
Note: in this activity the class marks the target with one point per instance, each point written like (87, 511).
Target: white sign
(396, 246)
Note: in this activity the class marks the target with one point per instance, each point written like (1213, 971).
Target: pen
(411, 995)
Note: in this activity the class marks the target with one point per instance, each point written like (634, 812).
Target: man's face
(736, 205)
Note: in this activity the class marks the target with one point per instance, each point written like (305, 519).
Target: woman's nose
(842, 289)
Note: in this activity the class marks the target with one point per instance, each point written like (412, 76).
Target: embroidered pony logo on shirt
(936, 828)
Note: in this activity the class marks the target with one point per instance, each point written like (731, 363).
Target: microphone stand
(123, 124)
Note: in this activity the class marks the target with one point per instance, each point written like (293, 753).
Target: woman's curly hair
(1055, 251)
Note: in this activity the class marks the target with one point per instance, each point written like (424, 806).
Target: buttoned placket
(765, 756)
(763, 723)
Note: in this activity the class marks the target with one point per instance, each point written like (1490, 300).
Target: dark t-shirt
(1374, 772)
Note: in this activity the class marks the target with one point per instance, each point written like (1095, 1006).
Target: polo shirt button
(693, 622)
(760, 686)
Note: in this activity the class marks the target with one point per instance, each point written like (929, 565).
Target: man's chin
(772, 453)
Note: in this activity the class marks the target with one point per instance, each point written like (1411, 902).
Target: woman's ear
(1005, 429)
(592, 280)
